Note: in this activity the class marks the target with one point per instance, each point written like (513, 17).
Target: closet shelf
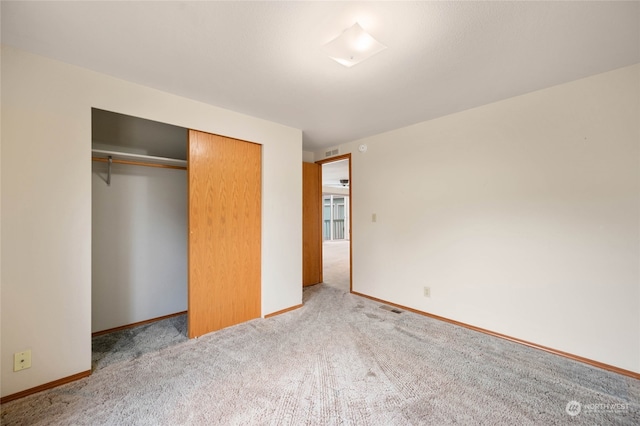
(100, 153)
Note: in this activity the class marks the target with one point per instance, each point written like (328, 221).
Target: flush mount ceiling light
(353, 46)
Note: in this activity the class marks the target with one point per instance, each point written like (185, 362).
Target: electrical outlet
(374, 217)
(427, 292)
(22, 360)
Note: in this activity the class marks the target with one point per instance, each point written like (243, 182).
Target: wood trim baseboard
(573, 357)
(45, 386)
(291, 308)
(135, 324)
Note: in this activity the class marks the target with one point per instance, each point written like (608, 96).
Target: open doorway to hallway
(335, 224)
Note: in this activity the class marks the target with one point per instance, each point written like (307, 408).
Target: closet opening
(139, 236)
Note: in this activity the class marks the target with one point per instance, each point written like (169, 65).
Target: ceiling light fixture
(353, 46)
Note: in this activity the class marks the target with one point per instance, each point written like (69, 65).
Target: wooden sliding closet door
(224, 232)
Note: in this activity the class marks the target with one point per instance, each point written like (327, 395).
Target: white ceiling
(265, 59)
(333, 172)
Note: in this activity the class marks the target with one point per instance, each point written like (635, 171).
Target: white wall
(138, 244)
(522, 216)
(46, 205)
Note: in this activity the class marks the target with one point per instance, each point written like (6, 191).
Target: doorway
(336, 222)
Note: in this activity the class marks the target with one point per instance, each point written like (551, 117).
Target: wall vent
(332, 153)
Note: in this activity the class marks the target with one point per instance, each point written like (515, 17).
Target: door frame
(333, 160)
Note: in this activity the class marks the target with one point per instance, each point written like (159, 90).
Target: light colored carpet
(126, 345)
(339, 360)
(335, 264)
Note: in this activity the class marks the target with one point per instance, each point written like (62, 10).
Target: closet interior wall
(139, 224)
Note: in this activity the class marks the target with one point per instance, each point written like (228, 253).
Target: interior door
(311, 224)
(224, 232)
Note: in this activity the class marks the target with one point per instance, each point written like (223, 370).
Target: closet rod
(138, 163)
(147, 159)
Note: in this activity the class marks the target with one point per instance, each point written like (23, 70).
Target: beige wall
(522, 217)
(46, 205)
